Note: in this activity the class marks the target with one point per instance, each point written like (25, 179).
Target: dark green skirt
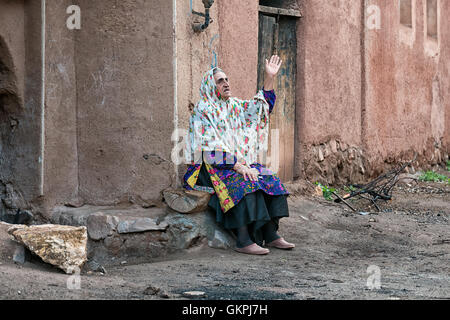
(253, 211)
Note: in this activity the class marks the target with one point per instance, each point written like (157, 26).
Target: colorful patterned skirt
(254, 210)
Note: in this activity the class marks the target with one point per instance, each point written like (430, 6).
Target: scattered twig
(335, 194)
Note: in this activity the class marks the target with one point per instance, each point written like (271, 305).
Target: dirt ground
(338, 254)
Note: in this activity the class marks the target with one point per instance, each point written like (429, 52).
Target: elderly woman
(225, 136)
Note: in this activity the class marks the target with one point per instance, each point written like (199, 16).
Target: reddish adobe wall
(61, 150)
(368, 99)
(328, 136)
(406, 82)
(125, 104)
(444, 73)
(238, 55)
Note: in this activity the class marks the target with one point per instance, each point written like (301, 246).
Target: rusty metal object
(379, 188)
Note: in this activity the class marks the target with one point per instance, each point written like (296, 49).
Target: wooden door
(277, 35)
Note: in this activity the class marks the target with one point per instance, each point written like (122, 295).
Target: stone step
(139, 235)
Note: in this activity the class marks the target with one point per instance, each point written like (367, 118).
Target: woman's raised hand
(273, 66)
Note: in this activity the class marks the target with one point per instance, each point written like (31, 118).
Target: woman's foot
(280, 243)
(253, 249)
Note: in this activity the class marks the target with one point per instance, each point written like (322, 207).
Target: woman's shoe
(280, 243)
(253, 249)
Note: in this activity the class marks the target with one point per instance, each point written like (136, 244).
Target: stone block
(100, 226)
(221, 240)
(62, 246)
(140, 225)
(327, 150)
(7, 245)
(333, 146)
(13, 199)
(21, 254)
(320, 154)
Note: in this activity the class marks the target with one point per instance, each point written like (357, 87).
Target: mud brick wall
(19, 105)
(383, 92)
(116, 89)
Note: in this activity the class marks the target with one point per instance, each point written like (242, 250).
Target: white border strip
(41, 158)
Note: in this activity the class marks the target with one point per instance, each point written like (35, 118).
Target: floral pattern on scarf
(239, 127)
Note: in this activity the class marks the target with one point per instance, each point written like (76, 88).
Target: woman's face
(222, 85)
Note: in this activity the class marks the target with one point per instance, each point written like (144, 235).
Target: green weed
(349, 189)
(433, 176)
(326, 191)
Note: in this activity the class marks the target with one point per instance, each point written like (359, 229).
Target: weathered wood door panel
(277, 35)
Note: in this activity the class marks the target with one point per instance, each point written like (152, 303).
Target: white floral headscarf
(239, 127)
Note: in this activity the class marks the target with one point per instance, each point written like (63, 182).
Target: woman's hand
(248, 173)
(272, 67)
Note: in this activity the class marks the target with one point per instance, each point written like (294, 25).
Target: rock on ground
(61, 246)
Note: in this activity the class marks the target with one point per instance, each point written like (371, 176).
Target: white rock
(100, 226)
(61, 246)
(140, 225)
(194, 293)
(333, 146)
(320, 155)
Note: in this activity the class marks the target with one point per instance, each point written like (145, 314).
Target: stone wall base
(337, 163)
(139, 235)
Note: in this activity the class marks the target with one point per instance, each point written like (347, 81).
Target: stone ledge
(137, 235)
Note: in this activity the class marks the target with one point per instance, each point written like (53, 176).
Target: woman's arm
(271, 70)
(270, 97)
